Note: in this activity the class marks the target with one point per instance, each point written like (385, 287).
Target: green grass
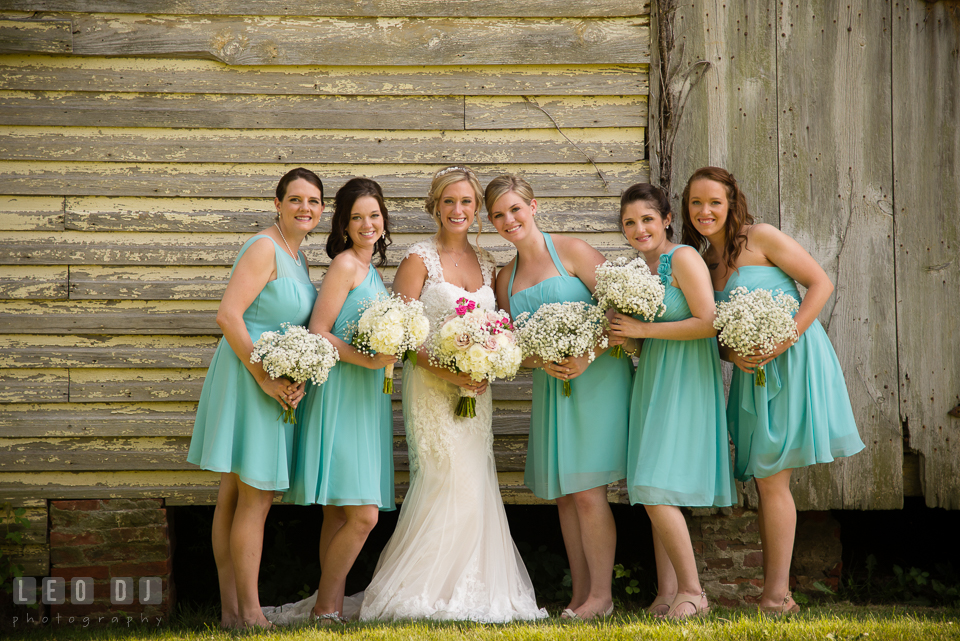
(832, 623)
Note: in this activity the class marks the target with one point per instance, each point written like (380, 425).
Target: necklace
(456, 262)
(296, 257)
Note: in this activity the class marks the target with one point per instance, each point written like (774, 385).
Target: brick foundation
(727, 546)
(111, 538)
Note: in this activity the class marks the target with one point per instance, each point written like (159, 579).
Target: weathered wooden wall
(840, 121)
(140, 143)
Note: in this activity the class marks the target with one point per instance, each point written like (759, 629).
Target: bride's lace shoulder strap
(487, 265)
(427, 250)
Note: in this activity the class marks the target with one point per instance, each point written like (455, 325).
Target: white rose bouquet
(628, 287)
(297, 354)
(392, 325)
(756, 320)
(558, 330)
(479, 343)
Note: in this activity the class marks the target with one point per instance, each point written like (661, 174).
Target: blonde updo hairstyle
(450, 176)
(504, 185)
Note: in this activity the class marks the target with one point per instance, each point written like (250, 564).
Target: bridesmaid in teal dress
(678, 452)
(577, 444)
(803, 415)
(343, 455)
(238, 430)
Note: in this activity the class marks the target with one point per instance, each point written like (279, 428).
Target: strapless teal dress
(238, 427)
(576, 442)
(803, 415)
(343, 451)
(678, 451)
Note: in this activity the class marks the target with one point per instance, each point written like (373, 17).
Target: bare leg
(598, 534)
(246, 547)
(777, 515)
(579, 572)
(671, 529)
(344, 547)
(222, 524)
(334, 518)
(666, 578)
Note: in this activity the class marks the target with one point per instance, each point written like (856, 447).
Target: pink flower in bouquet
(464, 306)
(490, 344)
(462, 341)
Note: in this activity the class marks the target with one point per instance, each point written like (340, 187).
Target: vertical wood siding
(140, 143)
(822, 114)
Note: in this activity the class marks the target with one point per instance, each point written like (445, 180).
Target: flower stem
(761, 378)
(566, 388)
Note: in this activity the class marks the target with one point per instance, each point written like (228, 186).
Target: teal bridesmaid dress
(803, 415)
(678, 451)
(576, 442)
(343, 451)
(238, 427)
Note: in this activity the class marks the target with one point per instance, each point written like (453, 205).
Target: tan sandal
(659, 602)
(692, 600)
(782, 609)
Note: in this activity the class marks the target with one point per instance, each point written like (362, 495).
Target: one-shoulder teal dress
(678, 451)
(803, 415)
(343, 451)
(238, 427)
(576, 442)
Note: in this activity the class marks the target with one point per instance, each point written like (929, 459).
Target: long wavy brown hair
(738, 216)
(354, 189)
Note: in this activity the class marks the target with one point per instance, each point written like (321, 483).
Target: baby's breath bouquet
(756, 321)
(392, 325)
(297, 354)
(558, 330)
(479, 343)
(629, 287)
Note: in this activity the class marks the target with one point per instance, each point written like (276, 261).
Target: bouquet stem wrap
(388, 379)
(566, 387)
(761, 378)
(467, 405)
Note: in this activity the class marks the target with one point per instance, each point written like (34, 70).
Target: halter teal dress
(238, 427)
(579, 442)
(803, 415)
(678, 451)
(343, 452)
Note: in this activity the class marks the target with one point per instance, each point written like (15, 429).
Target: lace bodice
(438, 296)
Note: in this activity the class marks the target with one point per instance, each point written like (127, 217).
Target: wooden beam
(183, 318)
(35, 36)
(262, 40)
(258, 180)
(519, 112)
(357, 147)
(348, 8)
(165, 75)
(24, 385)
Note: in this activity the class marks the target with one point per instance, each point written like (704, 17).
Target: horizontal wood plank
(26, 213)
(407, 215)
(149, 352)
(101, 385)
(520, 112)
(158, 419)
(184, 318)
(56, 144)
(162, 454)
(23, 385)
(35, 36)
(259, 180)
(265, 40)
(348, 8)
(33, 282)
(164, 75)
(94, 109)
(78, 248)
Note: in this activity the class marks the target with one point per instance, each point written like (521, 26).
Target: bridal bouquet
(479, 343)
(297, 354)
(756, 320)
(392, 325)
(558, 330)
(629, 287)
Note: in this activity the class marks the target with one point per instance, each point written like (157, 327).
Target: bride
(451, 555)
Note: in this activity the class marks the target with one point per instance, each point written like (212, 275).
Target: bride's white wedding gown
(451, 556)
